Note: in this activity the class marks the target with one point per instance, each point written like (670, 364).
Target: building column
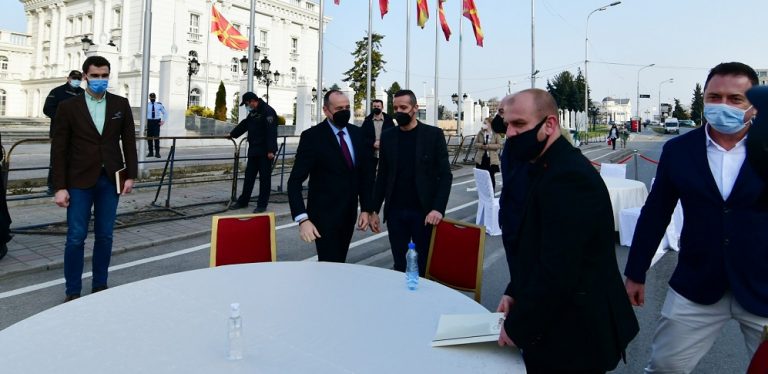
(54, 40)
(38, 68)
(172, 93)
(304, 106)
(98, 23)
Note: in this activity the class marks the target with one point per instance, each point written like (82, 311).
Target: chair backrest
(759, 362)
(483, 183)
(456, 255)
(244, 238)
(613, 170)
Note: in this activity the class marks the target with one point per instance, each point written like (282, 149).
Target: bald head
(542, 101)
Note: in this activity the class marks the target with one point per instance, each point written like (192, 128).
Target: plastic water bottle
(412, 267)
(235, 328)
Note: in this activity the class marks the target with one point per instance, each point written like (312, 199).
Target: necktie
(345, 150)
(153, 110)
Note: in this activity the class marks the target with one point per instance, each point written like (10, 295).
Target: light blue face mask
(724, 118)
(75, 83)
(98, 86)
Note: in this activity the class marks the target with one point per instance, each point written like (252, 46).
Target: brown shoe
(71, 297)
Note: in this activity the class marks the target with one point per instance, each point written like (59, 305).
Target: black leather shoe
(237, 205)
(71, 297)
(149, 154)
(98, 289)
(260, 210)
(157, 155)
(3, 250)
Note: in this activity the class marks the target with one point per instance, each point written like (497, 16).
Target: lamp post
(262, 72)
(637, 111)
(459, 117)
(192, 68)
(586, 57)
(87, 44)
(670, 80)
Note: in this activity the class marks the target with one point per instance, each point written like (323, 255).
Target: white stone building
(286, 33)
(618, 110)
(762, 75)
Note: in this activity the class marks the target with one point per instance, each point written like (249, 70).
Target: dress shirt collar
(336, 129)
(712, 143)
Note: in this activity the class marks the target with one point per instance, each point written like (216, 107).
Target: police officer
(57, 95)
(261, 125)
(155, 118)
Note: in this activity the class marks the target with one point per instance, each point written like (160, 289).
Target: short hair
(327, 97)
(96, 61)
(408, 93)
(377, 101)
(543, 101)
(152, 94)
(733, 68)
(75, 74)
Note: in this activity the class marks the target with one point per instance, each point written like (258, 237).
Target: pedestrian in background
(5, 216)
(488, 144)
(155, 118)
(613, 134)
(374, 125)
(87, 153)
(57, 95)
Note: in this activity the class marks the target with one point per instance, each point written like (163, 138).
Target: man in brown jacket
(86, 155)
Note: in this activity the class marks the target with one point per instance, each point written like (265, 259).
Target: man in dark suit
(86, 155)
(414, 177)
(565, 305)
(332, 154)
(5, 216)
(722, 267)
(57, 95)
(373, 125)
(261, 125)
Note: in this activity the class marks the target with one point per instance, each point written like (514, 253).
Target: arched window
(3, 63)
(235, 66)
(193, 53)
(194, 97)
(2, 102)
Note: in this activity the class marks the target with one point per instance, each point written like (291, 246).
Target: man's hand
(61, 198)
(271, 156)
(433, 218)
(162, 122)
(128, 186)
(363, 221)
(308, 231)
(635, 291)
(505, 304)
(375, 223)
(376, 145)
(504, 339)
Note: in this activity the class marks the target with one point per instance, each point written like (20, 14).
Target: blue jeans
(103, 198)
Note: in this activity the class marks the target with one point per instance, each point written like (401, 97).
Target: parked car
(671, 125)
(687, 122)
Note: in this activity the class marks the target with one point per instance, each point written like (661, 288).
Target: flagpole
(145, 59)
(370, 53)
(461, 99)
(251, 45)
(208, 52)
(533, 44)
(408, 45)
(319, 100)
(437, 58)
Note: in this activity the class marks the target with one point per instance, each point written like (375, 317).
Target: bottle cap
(411, 245)
(234, 309)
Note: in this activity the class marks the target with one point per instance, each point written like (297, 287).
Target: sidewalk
(43, 249)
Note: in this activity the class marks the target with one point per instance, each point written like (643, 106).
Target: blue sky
(684, 38)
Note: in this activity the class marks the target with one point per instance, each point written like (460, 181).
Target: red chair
(243, 239)
(759, 364)
(456, 256)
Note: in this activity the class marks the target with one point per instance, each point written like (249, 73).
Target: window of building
(194, 27)
(294, 45)
(79, 26)
(47, 31)
(117, 19)
(88, 23)
(69, 61)
(310, 6)
(3, 63)
(235, 66)
(293, 75)
(70, 26)
(263, 38)
(2, 102)
(194, 97)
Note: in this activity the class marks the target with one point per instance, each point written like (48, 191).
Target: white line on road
(605, 155)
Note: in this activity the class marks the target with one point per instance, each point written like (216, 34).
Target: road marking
(606, 155)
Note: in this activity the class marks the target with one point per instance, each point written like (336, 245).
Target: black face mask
(498, 126)
(376, 111)
(525, 146)
(403, 119)
(341, 118)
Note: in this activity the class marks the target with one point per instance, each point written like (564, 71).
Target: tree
(391, 95)
(234, 114)
(679, 112)
(697, 105)
(220, 110)
(358, 74)
(562, 88)
(335, 87)
(579, 83)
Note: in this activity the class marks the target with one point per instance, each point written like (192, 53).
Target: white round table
(625, 193)
(298, 317)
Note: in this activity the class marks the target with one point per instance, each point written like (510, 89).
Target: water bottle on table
(235, 332)
(412, 267)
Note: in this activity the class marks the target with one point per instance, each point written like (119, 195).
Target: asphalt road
(728, 355)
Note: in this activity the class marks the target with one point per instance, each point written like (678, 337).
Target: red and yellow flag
(384, 7)
(443, 22)
(227, 34)
(422, 12)
(470, 11)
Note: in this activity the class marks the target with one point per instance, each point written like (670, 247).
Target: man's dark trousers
(405, 225)
(153, 131)
(261, 165)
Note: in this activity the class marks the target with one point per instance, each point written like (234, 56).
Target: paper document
(120, 177)
(455, 329)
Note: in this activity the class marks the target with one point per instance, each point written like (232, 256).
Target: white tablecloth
(625, 193)
(298, 317)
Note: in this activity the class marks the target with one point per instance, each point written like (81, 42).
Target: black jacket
(571, 310)
(261, 126)
(433, 170)
(56, 96)
(334, 188)
(369, 131)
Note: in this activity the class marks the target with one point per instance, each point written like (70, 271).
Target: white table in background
(298, 317)
(625, 193)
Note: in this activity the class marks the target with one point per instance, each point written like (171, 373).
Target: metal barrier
(280, 155)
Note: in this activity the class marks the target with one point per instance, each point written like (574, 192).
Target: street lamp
(670, 80)
(192, 68)
(87, 43)
(262, 72)
(455, 99)
(637, 111)
(586, 56)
